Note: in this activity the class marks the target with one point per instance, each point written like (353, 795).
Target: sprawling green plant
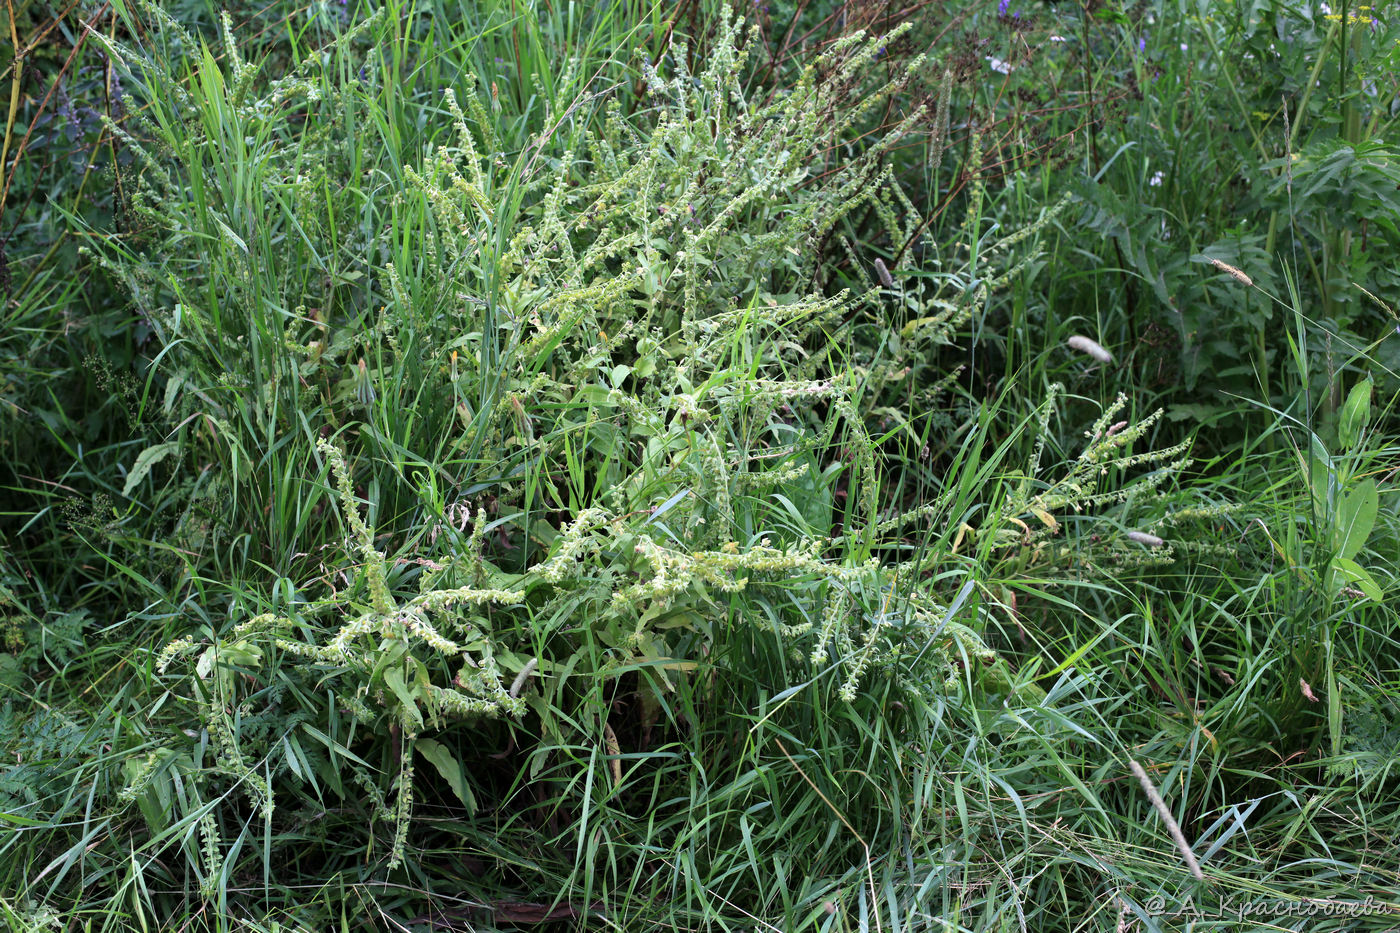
(661, 248)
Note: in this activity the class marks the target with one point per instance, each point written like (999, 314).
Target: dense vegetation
(793, 465)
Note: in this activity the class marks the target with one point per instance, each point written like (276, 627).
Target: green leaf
(1355, 517)
(240, 654)
(1356, 411)
(1323, 475)
(18, 820)
(450, 769)
(393, 679)
(998, 678)
(1194, 412)
(595, 395)
(172, 392)
(1355, 574)
(144, 461)
(11, 671)
(391, 653)
(228, 232)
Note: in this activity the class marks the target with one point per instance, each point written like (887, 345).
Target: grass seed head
(1234, 273)
(1085, 345)
(1142, 537)
(884, 274)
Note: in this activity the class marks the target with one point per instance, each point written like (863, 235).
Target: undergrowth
(555, 467)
